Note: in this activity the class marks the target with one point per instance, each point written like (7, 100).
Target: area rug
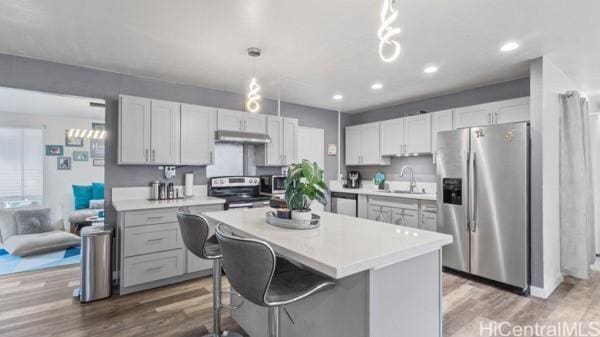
(10, 264)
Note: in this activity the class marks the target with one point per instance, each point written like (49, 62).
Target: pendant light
(253, 96)
(389, 49)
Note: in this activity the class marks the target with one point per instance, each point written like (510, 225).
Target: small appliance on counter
(164, 191)
(272, 184)
(353, 180)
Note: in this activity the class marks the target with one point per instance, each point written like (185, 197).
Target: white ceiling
(311, 48)
(41, 103)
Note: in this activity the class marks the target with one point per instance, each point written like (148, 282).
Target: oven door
(278, 184)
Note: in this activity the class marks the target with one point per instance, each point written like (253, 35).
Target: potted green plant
(304, 184)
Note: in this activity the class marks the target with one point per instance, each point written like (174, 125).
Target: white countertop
(138, 204)
(371, 191)
(342, 246)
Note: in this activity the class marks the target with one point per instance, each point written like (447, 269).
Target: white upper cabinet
(198, 124)
(371, 153)
(353, 144)
(134, 130)
(255, 122)
(274, 149)
(230, 120)
(282, 150)
(476, 115)
(233, 120)
(290, 141)
(363, 145)
(417, 134)
(406, 135)
(440, 121)
(511, 110)
(165, 132)
(392, 137)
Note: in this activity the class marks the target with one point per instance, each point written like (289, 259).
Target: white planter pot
(302, 215)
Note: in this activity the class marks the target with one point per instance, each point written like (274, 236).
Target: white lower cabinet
(403, 212)
(405, 217)
(380, 213)
(428, 221)
(153, 267)
(151, 249)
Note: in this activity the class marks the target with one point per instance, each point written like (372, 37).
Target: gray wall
(24, 73)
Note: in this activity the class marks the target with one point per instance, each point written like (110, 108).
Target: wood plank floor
(40, 304)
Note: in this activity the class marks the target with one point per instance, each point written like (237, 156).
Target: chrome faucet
(413, 182)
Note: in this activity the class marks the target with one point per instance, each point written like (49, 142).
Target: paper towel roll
(189, 185)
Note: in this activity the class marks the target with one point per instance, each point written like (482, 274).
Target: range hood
(224, 136)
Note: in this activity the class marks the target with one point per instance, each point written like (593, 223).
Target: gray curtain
(577, 244)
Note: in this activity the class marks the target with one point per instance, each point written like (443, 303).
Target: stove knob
(255, 180)
(221, 181)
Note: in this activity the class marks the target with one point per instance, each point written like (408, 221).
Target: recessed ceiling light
(337, 97)
(509, 46)
(376, 86)
(431, 69)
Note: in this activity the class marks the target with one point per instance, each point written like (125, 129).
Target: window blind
(21, 164)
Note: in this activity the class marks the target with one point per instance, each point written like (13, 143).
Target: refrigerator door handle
(474, 195)
(468, 186)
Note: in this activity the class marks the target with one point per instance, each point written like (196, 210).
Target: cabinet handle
(496, 116)
(153, 155)
(154, 268)
(146, 155)
(245, 125)
(154, 240)
(240, 125)
(490, 118)
(211, 157)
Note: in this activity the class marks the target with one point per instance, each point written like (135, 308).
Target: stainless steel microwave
(272, 184)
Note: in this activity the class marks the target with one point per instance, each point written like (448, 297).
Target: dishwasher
(344, 203)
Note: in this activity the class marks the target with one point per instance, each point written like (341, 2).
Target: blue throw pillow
(83, 195)
(98, 191)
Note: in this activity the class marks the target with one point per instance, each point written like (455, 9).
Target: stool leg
(217, 304)
(217, 297)
(274, 321)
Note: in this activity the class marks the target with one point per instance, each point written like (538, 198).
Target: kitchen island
(388, 277)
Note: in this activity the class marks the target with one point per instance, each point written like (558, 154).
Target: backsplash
(423, 167)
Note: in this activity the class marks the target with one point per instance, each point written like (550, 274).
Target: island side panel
(338, 312)
(405, 298)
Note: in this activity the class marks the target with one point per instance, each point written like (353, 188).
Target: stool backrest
(194, 231)
(249, 265)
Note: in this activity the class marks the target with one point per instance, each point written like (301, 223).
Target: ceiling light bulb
(386, 32)
(377, 86)
(431, 69)
(337, 97)
(253, 103)
(510, 46)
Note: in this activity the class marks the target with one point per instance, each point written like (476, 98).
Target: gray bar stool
(264, 279)
(195, 235)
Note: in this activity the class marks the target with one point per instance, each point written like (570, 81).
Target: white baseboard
(596, 265)
(548, 289)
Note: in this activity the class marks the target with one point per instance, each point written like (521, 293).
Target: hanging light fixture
(253, 97)
(389, 49)
(83, 133)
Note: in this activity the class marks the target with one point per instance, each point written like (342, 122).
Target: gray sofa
(31, 244)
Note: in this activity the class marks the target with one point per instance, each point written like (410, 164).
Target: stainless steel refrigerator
(483, 201)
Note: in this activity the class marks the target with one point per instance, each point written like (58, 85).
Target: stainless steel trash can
(95, 263)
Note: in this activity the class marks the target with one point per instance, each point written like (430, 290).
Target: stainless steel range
(238, 191)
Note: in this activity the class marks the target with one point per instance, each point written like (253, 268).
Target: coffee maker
(353, 180)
